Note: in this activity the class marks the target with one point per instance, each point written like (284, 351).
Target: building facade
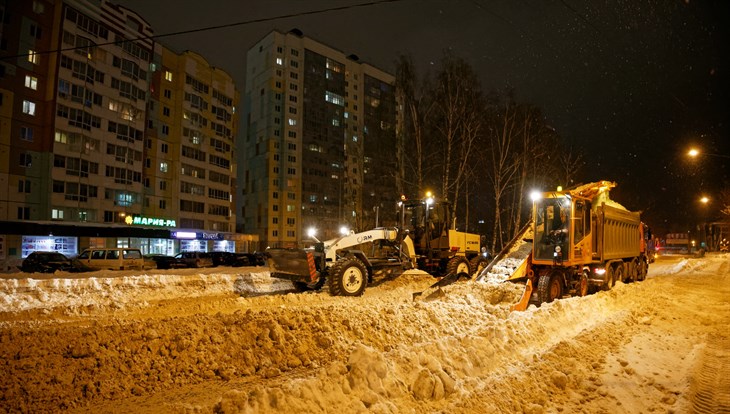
(93, 151)
(320, 142)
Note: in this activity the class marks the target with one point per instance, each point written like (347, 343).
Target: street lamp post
(704, 200)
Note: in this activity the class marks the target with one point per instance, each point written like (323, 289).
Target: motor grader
(347, 264)
(581, 241)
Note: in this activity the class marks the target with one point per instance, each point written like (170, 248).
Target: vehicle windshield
(552, 225)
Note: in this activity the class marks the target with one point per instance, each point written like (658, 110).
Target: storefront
(149, 234)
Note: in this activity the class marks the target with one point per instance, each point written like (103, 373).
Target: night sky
(632, 84)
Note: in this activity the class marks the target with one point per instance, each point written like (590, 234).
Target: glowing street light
(704, 200)
(694, 153)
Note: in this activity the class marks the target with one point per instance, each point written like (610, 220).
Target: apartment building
(190, 172)
(93, 151)
(319, 151)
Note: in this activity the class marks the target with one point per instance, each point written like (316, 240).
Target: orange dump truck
(581, 241)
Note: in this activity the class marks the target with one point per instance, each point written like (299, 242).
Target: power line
(208, 28)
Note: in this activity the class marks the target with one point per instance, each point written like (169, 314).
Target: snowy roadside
(120, 289)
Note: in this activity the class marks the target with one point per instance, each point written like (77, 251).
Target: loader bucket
(296, 265)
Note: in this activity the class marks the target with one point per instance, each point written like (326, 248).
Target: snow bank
(105, 289)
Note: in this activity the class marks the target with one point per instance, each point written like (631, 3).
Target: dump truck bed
(618, 233)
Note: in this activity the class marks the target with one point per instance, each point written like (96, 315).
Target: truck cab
(562, 230)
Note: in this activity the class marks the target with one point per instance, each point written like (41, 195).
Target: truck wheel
(609, 280)
(550, 286)
(643, 270)
(348, 277)
(618, 275)
(458, 266)
(478, 263)
(582, 288)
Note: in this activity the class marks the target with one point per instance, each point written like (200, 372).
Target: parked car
(159, 261)
(49, 262)
(193, 259)
(228, 259)
(113, 258)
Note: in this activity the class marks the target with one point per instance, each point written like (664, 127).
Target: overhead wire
(208, 28)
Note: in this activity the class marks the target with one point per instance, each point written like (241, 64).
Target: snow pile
(211, 342)
(107, 289)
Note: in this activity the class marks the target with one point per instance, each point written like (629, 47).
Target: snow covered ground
(234, 340)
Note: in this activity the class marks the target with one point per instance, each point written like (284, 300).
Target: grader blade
(296, 265)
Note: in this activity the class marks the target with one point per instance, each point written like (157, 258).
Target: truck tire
(609, 280)
(643, 270)
(618, 275)
(477, 264)
(458, 266)
(550, 286)
(348, 277)
(582, 287)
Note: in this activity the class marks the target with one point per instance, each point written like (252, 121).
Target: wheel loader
(579, 241)
(347, 264)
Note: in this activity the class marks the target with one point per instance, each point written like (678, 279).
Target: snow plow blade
(296, 265)
(525, 299)
(444, 281)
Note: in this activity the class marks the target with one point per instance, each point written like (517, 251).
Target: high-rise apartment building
(191, 168)
(107, 137)
(320, 145)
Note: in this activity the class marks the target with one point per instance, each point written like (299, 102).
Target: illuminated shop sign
(149, 221)
(198, 235)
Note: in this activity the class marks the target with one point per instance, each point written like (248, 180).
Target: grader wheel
(477, 264)
(348, 277)
(459, 267)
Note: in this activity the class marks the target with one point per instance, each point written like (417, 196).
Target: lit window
(279, 61)
(292, 122)
(334, 98)
(29, 107)
(163, 166)
(168, 76)
(31, 82)
(33, 56)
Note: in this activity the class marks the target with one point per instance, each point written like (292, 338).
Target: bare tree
(414, 97)
(504, 165)
(571, 160)
(458, 117)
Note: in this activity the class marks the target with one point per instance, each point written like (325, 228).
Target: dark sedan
(161, 261)
(49, 262)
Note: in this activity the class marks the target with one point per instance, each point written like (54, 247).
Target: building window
(165, 130)
(168, 76)
(57, 214)
(23, 213)
(29, 108)
(279, 61)
(24, 186)
(33, 57)
(163, 204)
(163, 167)
(168, 94)
(26, 160)
(164, 148)
(26, 134)
(31, 82)
(166, 111)
(163, 185)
